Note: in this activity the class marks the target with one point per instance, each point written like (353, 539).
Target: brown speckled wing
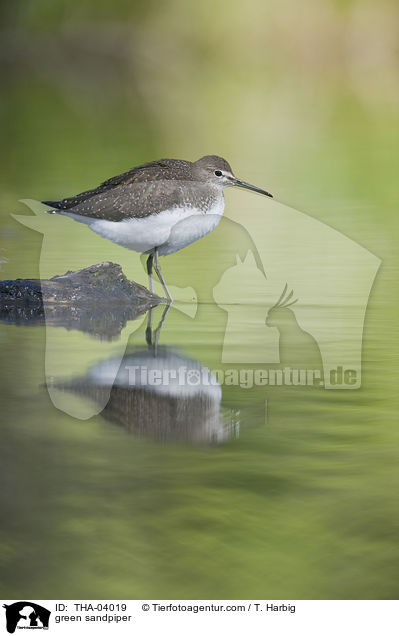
(140, 199)
(161, 170)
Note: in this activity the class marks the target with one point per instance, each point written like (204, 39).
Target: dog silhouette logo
(26, 615)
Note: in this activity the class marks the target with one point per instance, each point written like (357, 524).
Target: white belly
(170, 230)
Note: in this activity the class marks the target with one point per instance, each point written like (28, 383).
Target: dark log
(98, 299)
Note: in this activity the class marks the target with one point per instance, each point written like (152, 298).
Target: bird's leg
(148, 331)
(151, 336)
(150, 261)
(161, 324)
(157, 268)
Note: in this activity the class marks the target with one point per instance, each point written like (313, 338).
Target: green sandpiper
(156, 208)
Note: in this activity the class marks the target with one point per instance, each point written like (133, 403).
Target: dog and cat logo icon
(26, 615)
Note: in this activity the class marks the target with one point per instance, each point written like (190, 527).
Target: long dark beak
(248, 186)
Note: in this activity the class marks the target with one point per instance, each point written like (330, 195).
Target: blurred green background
(302, 98)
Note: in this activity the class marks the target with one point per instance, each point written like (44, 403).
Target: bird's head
(218, 171)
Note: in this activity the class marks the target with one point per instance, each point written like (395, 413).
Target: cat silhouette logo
(328, 275)
(26, 615)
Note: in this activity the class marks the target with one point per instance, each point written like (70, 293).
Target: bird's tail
(56, 205)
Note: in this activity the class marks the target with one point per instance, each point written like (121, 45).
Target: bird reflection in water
(158, 393)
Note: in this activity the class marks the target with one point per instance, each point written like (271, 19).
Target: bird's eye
(218, 173)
